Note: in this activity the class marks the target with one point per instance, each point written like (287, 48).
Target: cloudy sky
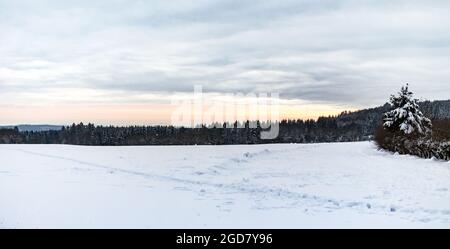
(117, 61)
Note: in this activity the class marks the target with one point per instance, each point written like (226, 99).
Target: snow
(336, 185)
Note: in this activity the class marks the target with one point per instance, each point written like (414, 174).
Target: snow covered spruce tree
(406, 130)
(405, 115)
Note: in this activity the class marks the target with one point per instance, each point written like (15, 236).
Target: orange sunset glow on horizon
(131, 114)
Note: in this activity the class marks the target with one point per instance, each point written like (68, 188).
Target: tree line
(345, 127)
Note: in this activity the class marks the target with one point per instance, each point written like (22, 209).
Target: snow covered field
(346, 185)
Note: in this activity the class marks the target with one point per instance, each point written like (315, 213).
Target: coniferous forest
(346, 127)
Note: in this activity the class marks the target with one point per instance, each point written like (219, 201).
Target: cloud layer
(352, 53)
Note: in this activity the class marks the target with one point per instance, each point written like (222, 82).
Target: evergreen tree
(405, 115)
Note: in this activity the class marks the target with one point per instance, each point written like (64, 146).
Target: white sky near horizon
(121, 62)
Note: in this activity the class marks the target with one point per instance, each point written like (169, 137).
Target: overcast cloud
(352, 53)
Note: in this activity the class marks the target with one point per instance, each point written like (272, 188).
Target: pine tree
(405, 115)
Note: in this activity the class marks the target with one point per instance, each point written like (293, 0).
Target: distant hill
(436, 109)
(369, 119)
(36, 128)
